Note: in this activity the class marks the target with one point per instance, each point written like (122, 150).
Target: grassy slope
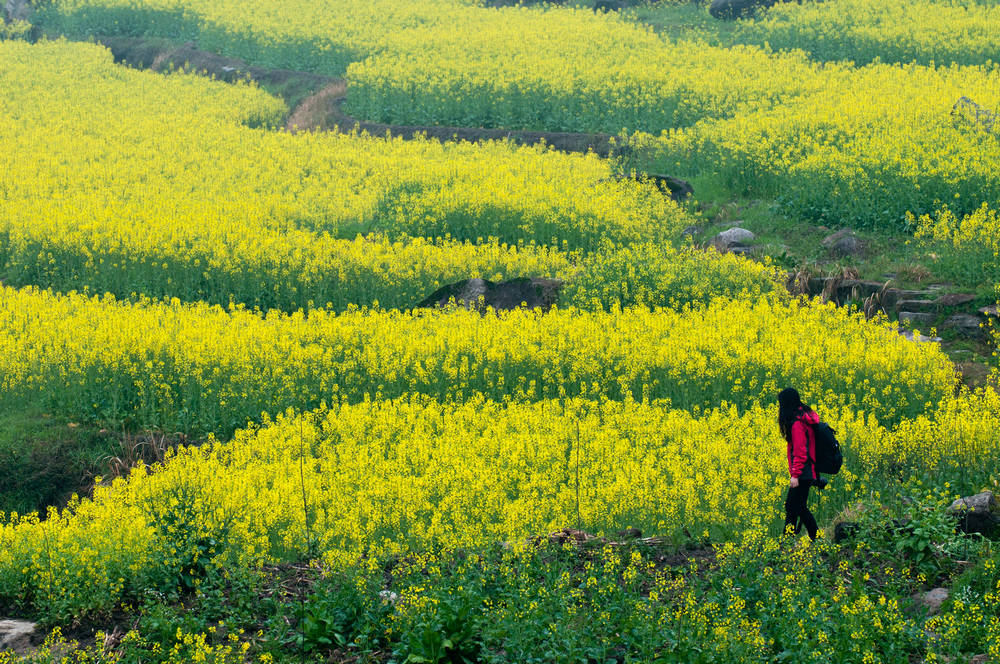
(46, 459)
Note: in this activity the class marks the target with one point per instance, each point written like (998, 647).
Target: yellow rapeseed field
(875, 144)
(964, 32)
(174, 261)
(179, 367)
(454, 63)
(136, 183)
(830, 142)
(388, 477)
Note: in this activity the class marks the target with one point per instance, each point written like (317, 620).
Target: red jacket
(802, 447)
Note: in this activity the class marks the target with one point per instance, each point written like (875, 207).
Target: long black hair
(790, 408)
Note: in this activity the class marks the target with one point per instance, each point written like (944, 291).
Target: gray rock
(965, 324)
(932, 599)
(916, 337)
(691, 231)
(733, 239)
(992, 311)
(537, 293)
(915, 318)
(16, 635)
(977, 514)
(843, 243)
(675, 188)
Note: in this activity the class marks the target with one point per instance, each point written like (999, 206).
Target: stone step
(916, 294)
(916, 317)
(937, 304)
(967, 325)
(923, 306)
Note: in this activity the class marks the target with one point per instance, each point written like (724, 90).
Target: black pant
(797, 512)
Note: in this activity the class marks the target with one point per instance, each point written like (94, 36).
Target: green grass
(676, 19)
(46, 459)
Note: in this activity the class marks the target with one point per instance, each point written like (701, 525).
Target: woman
(796, 421)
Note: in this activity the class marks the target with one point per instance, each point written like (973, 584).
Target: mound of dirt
(530, 293)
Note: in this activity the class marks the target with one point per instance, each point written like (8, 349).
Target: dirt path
(317, 100)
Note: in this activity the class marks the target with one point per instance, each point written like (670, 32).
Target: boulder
(16, 635)
(730, 9)
(843, 243)
(691, 231)
(992, 311)
(932, 600)
(977, 514)
(675, 188)
(965, 324)
(734, 239)
(531, 293)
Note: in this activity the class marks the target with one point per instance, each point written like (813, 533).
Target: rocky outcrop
(675, 188)
(16, 635)
(932, 600)
(843, 244)
(977, 514)
(736, 240)
(530, 293)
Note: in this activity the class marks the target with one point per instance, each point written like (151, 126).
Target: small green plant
(922, 538)
(346, 610)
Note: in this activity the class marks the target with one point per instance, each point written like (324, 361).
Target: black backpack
(829, 458)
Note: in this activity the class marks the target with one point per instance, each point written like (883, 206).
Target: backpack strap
(810, 431)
